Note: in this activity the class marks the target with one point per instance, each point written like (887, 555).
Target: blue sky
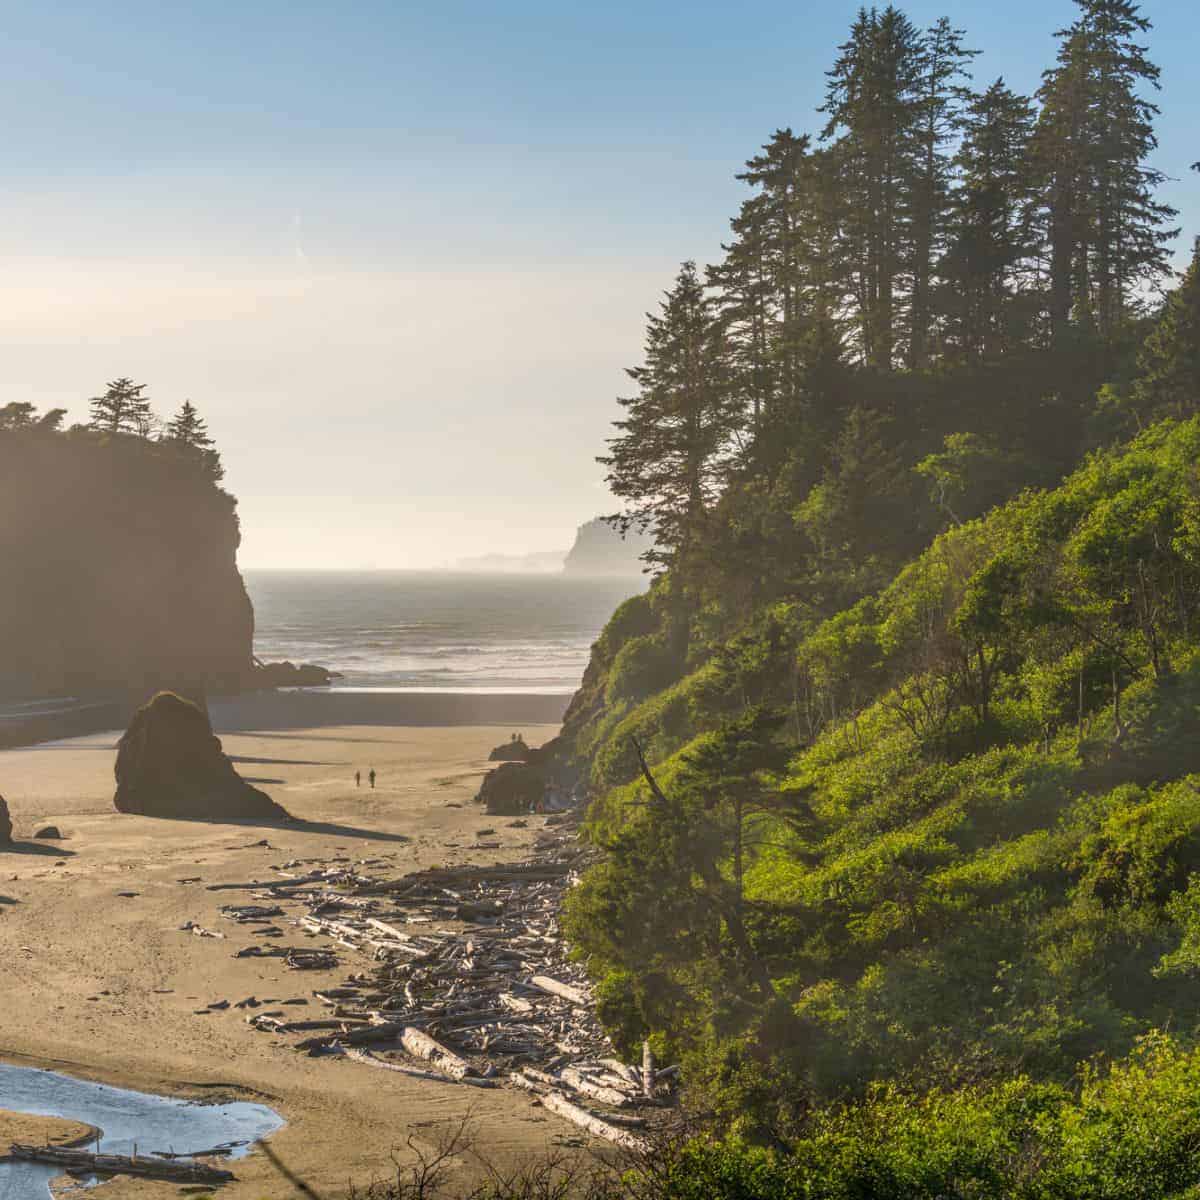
(399, 254)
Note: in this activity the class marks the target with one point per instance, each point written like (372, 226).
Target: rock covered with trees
(142, 590)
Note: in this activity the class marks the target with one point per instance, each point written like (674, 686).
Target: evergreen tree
(989, 241)
(1170, 359)
(942, 63)
(667, 463)
(1105, 231)
(874, 100)
(188, 428)
(122, 409)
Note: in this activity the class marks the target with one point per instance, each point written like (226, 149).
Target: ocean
(435, 630)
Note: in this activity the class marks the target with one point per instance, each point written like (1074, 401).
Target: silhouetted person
(358, 779)
(371, 776)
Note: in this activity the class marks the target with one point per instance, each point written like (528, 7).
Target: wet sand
(106, 986)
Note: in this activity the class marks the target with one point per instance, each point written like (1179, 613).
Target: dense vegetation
(125, 546)
(896, 765)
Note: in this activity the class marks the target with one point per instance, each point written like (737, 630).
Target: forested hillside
(120, 549)
(896, 766)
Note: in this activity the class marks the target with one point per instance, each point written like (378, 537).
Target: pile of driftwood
(460, 974)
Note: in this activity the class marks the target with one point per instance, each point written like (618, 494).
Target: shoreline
(25, 723)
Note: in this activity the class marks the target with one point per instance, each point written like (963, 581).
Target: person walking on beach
(371, 776)
(358, 779)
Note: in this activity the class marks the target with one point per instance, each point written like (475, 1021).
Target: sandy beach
(100, 982)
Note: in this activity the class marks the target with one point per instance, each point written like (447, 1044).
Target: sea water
(435, 630)
(125, 1119)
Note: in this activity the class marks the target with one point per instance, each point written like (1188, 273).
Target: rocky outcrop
(288, 674)
(512, 789)
(5, 825)
(514, 750)
(170, 764)
(120, 567)
(600, 550)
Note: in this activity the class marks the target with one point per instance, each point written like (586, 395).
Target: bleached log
(563, 990)
(579, 1082)
(556, 1102)
(421, 1045)
(647, 1070)
(368, 1059)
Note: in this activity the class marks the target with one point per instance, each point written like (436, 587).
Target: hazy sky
(398, 254)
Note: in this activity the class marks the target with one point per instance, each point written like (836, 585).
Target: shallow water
(154, 1123)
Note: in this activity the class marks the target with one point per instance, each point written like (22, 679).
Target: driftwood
(120, 1164)
(497, 999)
(580, 1083)
(368, 1059)
(562, 990)
(556, 1102)
(421, 1045)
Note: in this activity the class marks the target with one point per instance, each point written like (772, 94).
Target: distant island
(598, 550)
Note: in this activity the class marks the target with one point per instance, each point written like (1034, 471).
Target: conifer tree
(189, 431)
(989, 240)
(667, 462)
(873, 106)
(122, 409)
(1106, 232)
(1170, 359)
(942, 62)
(188, 428)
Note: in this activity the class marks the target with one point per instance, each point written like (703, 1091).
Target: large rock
(512, 788)
(514, 750)
(169, 764)
(5, 824)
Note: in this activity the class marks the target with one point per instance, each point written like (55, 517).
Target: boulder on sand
(5, 824)
(511, 789)
(50, 833)
(170, 764)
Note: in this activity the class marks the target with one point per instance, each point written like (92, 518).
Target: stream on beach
(154, 1123)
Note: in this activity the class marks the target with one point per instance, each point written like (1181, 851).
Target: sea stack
(170, 764)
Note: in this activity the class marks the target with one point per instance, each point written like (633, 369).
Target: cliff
(600, 550)
(120, 568)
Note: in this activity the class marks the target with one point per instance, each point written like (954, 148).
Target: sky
(399, 254)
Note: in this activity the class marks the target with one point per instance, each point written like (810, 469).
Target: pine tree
(874, 100)
(780, 280)
(989, 240)
(942, 62)
(1106, 233)
(188, 428)
(1170, 359)
(122, 409)
(667, 463)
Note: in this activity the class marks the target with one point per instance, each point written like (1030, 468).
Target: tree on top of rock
(188, 430)
(122, 409)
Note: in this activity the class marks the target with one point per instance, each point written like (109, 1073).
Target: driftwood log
(556, 1102)
(121, 1164)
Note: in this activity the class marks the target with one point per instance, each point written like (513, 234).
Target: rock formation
(141, 590)
(512, 788)
(170, 764)
(5, 824)
(514, 750)
(288, 674)
(600, 550)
